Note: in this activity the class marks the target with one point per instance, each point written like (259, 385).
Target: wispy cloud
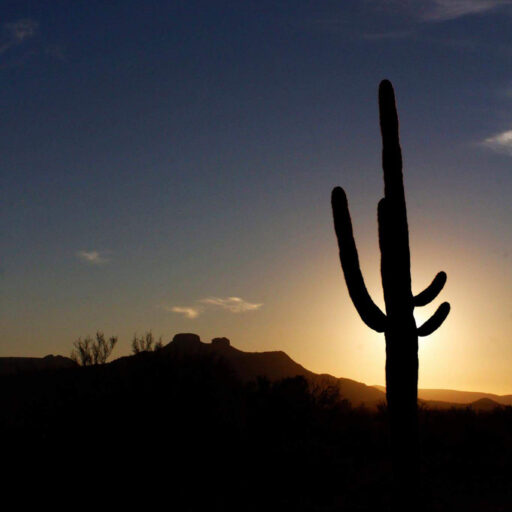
(232, 304)
(92, 257)
(21, 41)
(187, 312)
(441, 10)
(17, 32)
(21, 30)
(501, 142)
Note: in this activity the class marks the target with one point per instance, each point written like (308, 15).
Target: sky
(168, 166)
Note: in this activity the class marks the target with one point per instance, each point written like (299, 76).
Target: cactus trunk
(400, 333)
(398, 324)
(402, 397)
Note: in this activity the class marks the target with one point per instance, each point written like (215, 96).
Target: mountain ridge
(457, 396)
(276, 365)
(273, 365)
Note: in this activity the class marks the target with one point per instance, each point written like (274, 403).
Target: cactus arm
(369, 312)
(435, 321)
(431, 291)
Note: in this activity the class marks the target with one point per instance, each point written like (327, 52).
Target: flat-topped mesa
(186, 339)
(221, 342)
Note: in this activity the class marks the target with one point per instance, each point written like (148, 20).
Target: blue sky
(168, 165)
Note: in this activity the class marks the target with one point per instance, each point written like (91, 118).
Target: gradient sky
(160, 158)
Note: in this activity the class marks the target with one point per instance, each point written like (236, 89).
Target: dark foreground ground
(182, 433)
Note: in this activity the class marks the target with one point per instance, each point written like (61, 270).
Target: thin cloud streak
(92, 257)
(411, 17)
(501, 143)
(442, 10)
(235, 305)
(232, 304)
(187, 312)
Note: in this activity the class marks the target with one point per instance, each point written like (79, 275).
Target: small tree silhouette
(146, 343)
(88, 352)
(398, 324)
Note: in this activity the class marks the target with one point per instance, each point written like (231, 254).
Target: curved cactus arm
(435, 320)
(369, 312)
(431, 291)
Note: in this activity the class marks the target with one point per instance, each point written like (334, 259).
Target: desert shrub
(146, 343)
(88, 352)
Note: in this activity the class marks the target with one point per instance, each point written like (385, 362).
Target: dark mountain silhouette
(179, 426)
(449, 397)
(194, 426)
(277, 365)
(19, 365)
(273, 366)
(484, 404)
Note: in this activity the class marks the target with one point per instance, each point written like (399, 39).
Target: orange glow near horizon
(471, 351)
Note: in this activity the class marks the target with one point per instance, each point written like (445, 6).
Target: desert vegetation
(146, 343)
(182, 428)
(89, 351)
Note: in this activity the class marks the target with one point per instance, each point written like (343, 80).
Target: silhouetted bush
(89, 352)
(146, 343)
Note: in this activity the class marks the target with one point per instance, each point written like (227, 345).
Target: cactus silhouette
(398, 324)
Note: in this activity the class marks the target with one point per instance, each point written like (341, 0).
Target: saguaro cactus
(398, 324)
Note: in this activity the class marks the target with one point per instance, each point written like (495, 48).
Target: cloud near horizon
(187, 312)
(501, 142)
(234, 305)
(92, 257)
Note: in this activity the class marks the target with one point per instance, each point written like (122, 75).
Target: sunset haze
(168, 166)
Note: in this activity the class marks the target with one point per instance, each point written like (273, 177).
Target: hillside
(458, 397)
(274, 366)
(193, 427)
(19, 365)
(278, 365)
